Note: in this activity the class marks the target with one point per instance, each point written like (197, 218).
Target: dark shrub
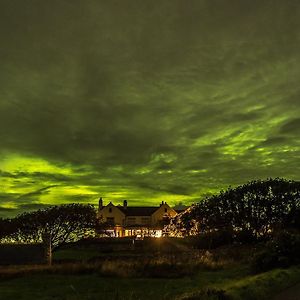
(260, 206)
(214, 239)
(281, 252)
(245, 237)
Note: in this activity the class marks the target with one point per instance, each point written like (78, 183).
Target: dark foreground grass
(118, 273)
(232, 283)
(263, 286)
(90, 287)
(43, 286)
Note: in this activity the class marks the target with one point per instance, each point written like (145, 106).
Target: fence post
(47, 247)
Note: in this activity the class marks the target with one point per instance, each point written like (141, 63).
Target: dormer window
(110, 210)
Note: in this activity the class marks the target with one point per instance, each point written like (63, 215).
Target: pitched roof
(138, 210)
(179, 210)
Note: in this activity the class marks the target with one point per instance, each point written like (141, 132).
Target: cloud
(291, 127)
(273, 141)
(32, 206)
(143, 101)
(36, 194)
(6, 209)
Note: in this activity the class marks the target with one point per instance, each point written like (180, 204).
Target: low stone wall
(23, 254)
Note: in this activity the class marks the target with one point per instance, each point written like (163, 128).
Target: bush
(214, 239)
(259, 206)
(281, 252)
(245, 237)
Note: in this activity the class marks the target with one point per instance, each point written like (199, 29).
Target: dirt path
(293, 293)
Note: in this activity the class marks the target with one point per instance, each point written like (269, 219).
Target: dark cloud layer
(145, 101)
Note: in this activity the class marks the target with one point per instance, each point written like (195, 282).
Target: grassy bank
(265, 285)
(158, 269)
(250, 287)
(93, 286)
(161, 266)
(234, 283)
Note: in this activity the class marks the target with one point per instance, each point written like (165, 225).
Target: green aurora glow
(145, 100)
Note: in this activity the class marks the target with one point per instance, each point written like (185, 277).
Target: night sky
(145, 100)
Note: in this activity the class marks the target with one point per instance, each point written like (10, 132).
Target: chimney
(125, 204)
(100, 204)
(162, 203)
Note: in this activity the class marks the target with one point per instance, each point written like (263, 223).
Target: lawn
(43, 286)
(112, 271)
(233, 283)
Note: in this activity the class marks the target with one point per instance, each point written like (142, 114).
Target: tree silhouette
(256, 208)
(7, 228)
(64, 223)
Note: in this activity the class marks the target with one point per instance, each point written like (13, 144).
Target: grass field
(233, 283)
(112, 272)
(43, 286)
